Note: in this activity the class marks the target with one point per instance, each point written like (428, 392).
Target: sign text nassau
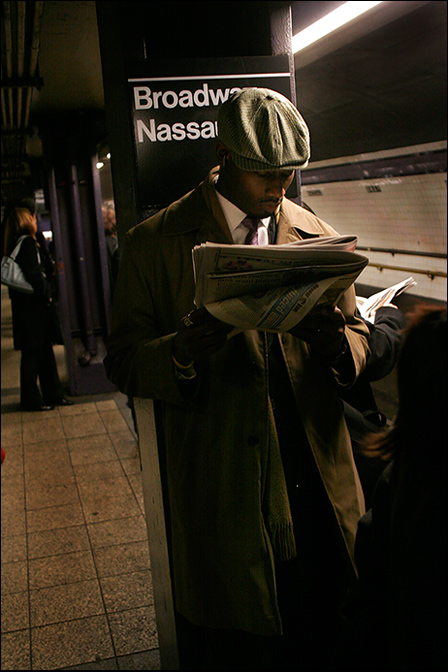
(146, 98)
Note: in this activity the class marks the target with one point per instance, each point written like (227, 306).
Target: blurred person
(399, 613)
(385, 335)
(35, 321)
(361, 410)
(113, 263)
(113, 259)
(264, 497)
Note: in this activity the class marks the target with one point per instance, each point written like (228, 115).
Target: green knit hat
(263, 131)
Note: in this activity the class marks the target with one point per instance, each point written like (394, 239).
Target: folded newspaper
(273, 287)
(368, 307)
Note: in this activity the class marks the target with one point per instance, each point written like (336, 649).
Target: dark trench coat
(34, 316)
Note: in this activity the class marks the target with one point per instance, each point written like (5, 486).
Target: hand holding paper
(272, 288)
(368, 307)
(199, 337)
(324, 329)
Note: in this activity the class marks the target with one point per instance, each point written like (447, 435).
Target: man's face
(258, 194)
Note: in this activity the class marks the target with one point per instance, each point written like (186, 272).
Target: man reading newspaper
(264, 497)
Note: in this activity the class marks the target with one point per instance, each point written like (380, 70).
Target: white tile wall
(409, 213)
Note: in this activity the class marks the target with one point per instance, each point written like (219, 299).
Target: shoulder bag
(12, 274)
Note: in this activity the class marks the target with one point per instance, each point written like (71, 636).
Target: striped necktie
(252, 235)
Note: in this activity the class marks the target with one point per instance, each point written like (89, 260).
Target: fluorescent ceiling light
(329, 23)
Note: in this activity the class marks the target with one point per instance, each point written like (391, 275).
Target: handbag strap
(16, 250)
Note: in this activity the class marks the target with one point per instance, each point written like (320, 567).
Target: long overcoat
(220, 440)
(34, 316)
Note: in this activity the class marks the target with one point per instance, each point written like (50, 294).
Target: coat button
(253, 440)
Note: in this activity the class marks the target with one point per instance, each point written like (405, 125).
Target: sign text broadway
(152, 129)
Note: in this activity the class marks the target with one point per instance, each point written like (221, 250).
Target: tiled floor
(76, 580)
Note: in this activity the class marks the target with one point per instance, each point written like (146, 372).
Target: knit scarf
(275, 506)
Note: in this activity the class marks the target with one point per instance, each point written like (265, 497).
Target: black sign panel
(174, 117)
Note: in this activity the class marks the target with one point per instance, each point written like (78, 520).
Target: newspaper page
(279, 309)
(273, 287)
(368, 307)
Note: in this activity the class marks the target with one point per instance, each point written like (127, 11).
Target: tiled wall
(406, 213)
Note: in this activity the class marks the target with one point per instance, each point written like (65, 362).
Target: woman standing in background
(35, 323)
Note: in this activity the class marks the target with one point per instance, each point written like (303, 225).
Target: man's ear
(222, 152)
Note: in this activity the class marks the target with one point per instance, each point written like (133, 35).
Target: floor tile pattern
(75, 572)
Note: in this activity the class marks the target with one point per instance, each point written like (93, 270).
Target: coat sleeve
(139, 357)
(32, 270)
(356, 333)
(356, 330)
(348, 369)
(384, 341)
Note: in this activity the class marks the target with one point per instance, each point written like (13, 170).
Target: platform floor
(75, 570)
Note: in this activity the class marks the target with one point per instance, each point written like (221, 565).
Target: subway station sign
(174, 117)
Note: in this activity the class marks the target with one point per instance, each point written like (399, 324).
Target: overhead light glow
(99, 165)
(327, 24)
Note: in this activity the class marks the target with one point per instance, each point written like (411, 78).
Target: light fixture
(99, 165)
(327, 24)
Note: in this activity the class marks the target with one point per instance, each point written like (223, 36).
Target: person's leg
(30, 397)
(50, 384)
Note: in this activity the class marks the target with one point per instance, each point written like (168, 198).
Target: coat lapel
(204, 215)
(209, 229)
(294, 224)
(198, 212)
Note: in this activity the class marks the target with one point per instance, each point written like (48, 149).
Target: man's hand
(324, 329)
(203, 336)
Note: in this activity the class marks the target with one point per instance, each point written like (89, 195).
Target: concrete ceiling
(380, 83)
(69, 59)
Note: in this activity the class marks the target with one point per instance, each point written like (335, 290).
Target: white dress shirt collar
(235, 216)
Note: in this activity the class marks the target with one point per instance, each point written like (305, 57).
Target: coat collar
(288, 219)
(200, 211)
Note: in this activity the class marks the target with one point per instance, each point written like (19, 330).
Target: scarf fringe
(283, 540)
